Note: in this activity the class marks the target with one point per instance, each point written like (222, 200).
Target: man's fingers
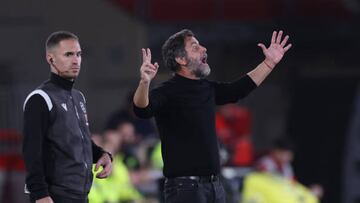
(106, 163)
(278, 39)
(149, 55)
(149, 71)
(154, 67)
(108, 169)
(273, 37)
(149, 66)
(262, 46)
(97, 166)
(284, 41)
(287, 47)
(101, 174)
(143, 54)
(105, 172)
(146, 55)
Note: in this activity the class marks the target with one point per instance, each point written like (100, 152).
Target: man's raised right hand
(148, 70)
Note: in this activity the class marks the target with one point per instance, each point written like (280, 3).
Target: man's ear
(49, 58)
(181, 60)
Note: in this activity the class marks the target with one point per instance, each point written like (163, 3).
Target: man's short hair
(117, 119)
(56, 37)
(284, 143)
(175, 47)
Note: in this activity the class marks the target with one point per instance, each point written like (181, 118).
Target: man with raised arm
(184, 110)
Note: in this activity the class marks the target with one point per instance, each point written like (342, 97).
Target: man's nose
(76, 60)
(204, 49)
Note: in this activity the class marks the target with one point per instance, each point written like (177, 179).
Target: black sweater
(184, 110)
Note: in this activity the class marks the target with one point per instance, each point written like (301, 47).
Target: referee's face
(66, 58)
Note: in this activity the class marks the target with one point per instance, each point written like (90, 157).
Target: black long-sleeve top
(184, 111)
(38, 147)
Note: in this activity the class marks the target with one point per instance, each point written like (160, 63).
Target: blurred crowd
(248, 176)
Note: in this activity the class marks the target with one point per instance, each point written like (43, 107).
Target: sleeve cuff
(36, 195)
(251, 84)
(97, 152)
(142, 112)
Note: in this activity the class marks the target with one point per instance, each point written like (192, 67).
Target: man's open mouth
(204, 59)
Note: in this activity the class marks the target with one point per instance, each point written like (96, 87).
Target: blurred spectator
(124, 125)
(144, 127)
(136, 151)
(157, 163)
(233, 127)
(156, 157)
(270, 188)
(278, 162)
(12, 168)
(119, 187)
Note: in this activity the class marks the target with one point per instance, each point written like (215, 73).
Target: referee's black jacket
(57, 147)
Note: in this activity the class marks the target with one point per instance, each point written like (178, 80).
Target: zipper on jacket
(83, 140)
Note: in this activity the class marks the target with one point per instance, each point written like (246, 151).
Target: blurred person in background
(12, 168)
(57, 147)
(184, 110)
(132, 143)
(136, 151)
(233, 128)
(145, 128)
(279, 162)
(119, 187)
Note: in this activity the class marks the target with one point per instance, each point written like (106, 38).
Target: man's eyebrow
(73, 52)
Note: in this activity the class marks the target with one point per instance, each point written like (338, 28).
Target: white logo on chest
(64, 106)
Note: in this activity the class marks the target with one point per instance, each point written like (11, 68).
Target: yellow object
(269, 188)
(116, 188)
(156, 157)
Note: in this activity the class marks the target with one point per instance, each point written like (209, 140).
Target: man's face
(113, 140)
(196, 58)
(284, 156)
(128, 132)
(66, 58)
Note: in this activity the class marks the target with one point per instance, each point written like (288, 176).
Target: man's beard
(198, 68)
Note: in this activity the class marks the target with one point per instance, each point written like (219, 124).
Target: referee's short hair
(56, 37)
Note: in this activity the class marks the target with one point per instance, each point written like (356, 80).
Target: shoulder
(162, 87)
(212, 82)
(266, 163)
(168, 85)
(39, 96)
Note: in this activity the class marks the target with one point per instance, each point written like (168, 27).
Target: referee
(57, 147)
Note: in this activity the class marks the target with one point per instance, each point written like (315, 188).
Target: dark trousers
(62, 199)
(180, 190)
